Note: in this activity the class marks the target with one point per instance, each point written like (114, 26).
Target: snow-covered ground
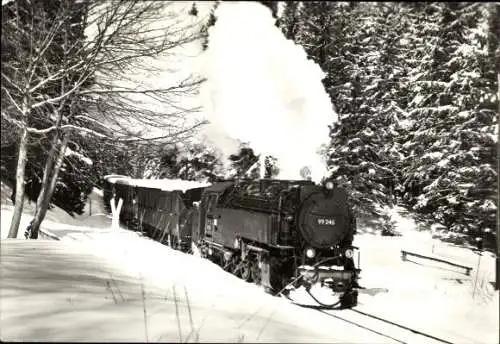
(98, 284)
(92, 220)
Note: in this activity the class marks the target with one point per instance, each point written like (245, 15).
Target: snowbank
(118, 286)
(433, 297)
(57, 221)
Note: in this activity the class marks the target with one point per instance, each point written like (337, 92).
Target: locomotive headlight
(310, 252)
(329, 185)
(349, 253)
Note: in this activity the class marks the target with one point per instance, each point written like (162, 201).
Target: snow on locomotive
(280, 234)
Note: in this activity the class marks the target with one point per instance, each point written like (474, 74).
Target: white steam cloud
(263, 90)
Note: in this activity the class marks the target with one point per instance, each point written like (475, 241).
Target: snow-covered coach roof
(162, 184)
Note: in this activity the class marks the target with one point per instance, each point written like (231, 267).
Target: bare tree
(58, 85)
(24, 57)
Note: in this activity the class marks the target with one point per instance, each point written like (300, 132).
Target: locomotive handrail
(404, 253)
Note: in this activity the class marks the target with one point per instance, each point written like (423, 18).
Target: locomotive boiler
(281, 234)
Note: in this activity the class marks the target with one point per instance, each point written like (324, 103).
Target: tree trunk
(497, 284)
(43, 203)
(21, 164)
(47, 172)
(51, 172)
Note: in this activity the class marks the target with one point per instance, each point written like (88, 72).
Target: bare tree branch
(7, 92)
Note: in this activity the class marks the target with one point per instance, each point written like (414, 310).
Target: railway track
(394, 332)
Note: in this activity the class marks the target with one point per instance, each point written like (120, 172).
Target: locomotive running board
(255, 248)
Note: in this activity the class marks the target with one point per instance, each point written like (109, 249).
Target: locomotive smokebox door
(324, 218)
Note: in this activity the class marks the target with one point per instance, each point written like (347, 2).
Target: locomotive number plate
(326, 222)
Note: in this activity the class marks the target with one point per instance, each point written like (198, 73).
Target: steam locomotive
(281, 234)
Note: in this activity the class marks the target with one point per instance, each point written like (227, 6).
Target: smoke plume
(263, 90)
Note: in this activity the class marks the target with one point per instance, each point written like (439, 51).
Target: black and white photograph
(250, 172)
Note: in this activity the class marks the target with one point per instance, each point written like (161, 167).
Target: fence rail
(407, 253)
(45, 235)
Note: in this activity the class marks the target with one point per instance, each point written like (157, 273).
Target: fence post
(115, 210)
(477, 274)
